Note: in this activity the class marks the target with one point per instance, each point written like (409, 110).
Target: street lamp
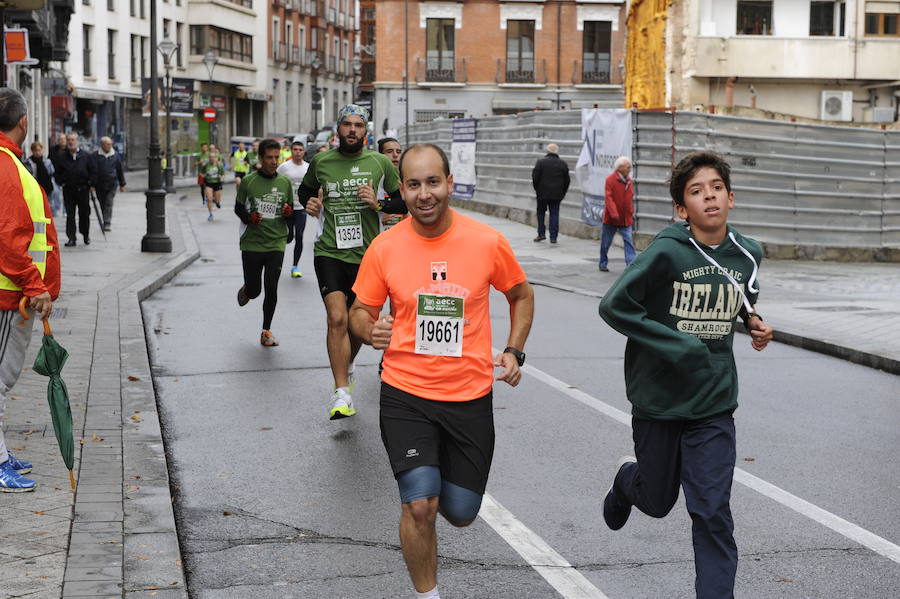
(167, 48)
(156, 239)
(210, 60)
(316, 96)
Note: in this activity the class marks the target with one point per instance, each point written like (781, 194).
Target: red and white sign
(209, 114)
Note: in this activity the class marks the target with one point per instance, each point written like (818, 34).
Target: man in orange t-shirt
(437, 424)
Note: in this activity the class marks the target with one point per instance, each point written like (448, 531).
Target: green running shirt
(266, 195)
(213, 173)
(347, 225)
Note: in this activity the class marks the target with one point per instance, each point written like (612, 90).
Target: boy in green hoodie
(677, 304)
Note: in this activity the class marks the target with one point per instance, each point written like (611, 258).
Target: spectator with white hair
(618, 211)
(109, 173)
(550, 178)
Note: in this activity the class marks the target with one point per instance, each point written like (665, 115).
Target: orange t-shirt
(439, 287)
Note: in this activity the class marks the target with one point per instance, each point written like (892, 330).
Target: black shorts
(336, 275)
(214, 186)
(455, 436)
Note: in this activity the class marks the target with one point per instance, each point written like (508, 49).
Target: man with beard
(349, 219)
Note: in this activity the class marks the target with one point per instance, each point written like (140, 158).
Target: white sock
(344, 389)
(432, 594)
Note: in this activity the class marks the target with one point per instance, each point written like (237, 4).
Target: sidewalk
(117, 536)
(118, 533)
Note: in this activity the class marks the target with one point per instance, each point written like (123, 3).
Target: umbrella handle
(24, 313)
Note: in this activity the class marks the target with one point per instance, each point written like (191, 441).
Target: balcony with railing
(279, 52)
(332, 63)
(521, 71)
(592, 71)
(331, 15)
(441, 69)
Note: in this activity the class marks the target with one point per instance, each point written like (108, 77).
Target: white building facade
(833, 61)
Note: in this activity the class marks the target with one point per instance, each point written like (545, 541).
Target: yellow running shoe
(342, 406)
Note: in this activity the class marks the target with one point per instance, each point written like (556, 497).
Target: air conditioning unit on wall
(836, 106)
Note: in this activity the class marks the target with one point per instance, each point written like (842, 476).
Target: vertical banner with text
(462, 158)
(607, 135)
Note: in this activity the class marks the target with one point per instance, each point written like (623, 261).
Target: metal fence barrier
(805, 191)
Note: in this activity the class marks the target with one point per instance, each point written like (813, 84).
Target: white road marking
(867, 539)
(567, 581)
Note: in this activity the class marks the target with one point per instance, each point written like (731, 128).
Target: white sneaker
(342, 406)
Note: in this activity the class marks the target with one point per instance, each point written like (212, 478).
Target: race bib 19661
(439, 325)
(348, 230)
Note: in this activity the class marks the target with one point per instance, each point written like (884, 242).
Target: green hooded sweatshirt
(678, 311)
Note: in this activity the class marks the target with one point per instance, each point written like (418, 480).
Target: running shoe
(616, 509)
(13, 482)
(218, 204)
(267, 339)
(342, 406)
(242, 297)
(20, 466)
(295, 272)
(209, 218)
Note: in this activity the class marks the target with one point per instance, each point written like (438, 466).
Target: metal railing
(296, 55)
(806, 191)
(279, 52)
(590, 72)
(521, 70)
(441, 70)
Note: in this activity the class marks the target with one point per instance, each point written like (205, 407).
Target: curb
(863, 358)
(126, 543)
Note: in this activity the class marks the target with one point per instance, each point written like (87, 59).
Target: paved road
(274, 500)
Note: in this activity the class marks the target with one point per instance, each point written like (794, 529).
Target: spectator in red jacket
(29, 265)
(618, 211)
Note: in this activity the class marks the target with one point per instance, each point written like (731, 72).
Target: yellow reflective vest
(34, 198)
(239, 164)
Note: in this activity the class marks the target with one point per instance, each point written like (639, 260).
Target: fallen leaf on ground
(227, 513)
(265, 428)
(173, 582)
(95, 438)
(40, 534)
(749, 459)
(19, 448)
(14, 398)
(39, 513)
(143, 557)
(133, 378)
(29, 431)
(136, 412)
(783, 580)
(133, 488)
(137, 419)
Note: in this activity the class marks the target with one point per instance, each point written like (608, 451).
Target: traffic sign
(209, 114)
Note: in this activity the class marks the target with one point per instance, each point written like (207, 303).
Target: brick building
(310, 52)
(484, 57)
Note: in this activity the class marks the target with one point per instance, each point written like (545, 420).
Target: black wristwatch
(520, 356)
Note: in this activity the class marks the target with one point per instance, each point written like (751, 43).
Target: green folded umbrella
(49, 362)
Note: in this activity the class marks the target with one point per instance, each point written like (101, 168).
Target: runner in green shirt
(351, 179)
(200, 164)
(253, 157)
(213, 173)
(265, 206)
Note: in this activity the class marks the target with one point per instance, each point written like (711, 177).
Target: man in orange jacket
(29, 265)
(618, 211)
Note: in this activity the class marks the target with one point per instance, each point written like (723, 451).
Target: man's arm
(609, 202)
(120, 173)
(521, 315)
(536, 175)
(368, 327)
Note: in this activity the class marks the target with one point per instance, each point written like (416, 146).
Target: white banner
(462, 158)
(607, 135)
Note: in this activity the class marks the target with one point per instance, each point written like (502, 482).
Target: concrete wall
(805, 191)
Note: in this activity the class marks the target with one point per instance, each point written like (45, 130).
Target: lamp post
(210, 60)
(156, 239)
(316, 96)
(167, 48)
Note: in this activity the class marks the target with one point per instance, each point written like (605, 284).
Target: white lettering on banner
(607, 135)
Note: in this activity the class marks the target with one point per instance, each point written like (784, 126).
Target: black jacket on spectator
(550, 178)
(79, 171)
(109, 171)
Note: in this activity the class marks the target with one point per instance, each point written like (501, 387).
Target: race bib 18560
(348, 230)
(439, 325)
